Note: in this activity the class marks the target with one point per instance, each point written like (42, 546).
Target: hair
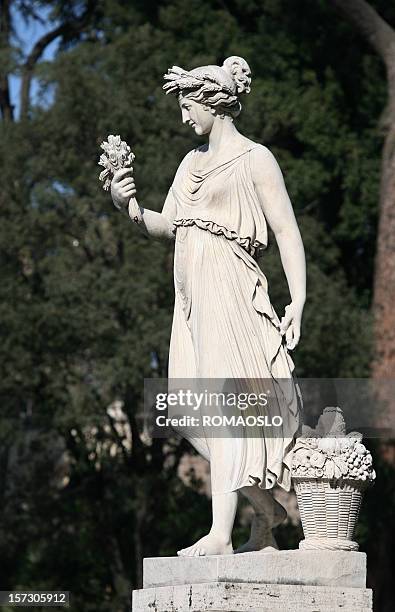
(218, 87)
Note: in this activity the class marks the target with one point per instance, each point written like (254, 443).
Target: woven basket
(329, 511)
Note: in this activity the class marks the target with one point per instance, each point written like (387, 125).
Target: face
(196, 115)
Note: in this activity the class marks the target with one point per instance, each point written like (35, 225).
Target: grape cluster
(359, 461)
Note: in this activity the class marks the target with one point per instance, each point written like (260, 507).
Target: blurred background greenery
(86, 301)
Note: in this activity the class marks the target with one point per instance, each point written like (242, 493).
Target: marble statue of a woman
(224, 327)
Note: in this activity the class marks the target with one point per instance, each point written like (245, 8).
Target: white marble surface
(243, 597)
(292, 567)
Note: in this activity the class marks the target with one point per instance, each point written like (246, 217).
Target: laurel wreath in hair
(179, 80)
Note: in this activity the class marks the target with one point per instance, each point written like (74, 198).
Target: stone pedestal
(296, 580)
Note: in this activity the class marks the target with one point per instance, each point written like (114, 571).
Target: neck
(221, 135)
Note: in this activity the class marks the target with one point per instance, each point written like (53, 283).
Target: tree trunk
(6, 108)
(384, 285)
(381, 36)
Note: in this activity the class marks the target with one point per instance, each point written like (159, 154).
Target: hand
(122, 188)
(290, 324)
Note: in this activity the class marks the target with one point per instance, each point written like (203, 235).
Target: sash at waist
(253, 247)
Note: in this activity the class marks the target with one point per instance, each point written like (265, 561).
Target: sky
(26, 35)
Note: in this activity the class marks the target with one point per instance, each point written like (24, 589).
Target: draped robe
(224, 325)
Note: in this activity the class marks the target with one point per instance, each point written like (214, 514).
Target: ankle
(220, 536)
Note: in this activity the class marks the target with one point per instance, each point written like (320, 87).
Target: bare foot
(208, 545)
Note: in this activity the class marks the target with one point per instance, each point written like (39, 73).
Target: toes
(196, 550)
(187, 552)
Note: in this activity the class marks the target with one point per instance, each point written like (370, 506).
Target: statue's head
(209, 92)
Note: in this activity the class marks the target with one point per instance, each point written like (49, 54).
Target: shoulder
(264, 166)
(262, 155)
(187, 158)
(184, 164)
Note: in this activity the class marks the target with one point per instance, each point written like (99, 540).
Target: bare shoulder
(264, 165)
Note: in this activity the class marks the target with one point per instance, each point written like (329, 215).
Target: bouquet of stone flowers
(117, 155)
(330, 471)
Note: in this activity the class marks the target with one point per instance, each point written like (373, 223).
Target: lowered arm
(277, 208)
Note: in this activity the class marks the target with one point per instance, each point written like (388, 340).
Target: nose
(185, 115)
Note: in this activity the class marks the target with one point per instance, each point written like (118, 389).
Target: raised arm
(277, 208)
(153, 224)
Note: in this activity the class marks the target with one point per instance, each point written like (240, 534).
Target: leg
(219, 540)
(268, 514)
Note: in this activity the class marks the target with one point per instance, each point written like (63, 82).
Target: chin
(198, 130)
